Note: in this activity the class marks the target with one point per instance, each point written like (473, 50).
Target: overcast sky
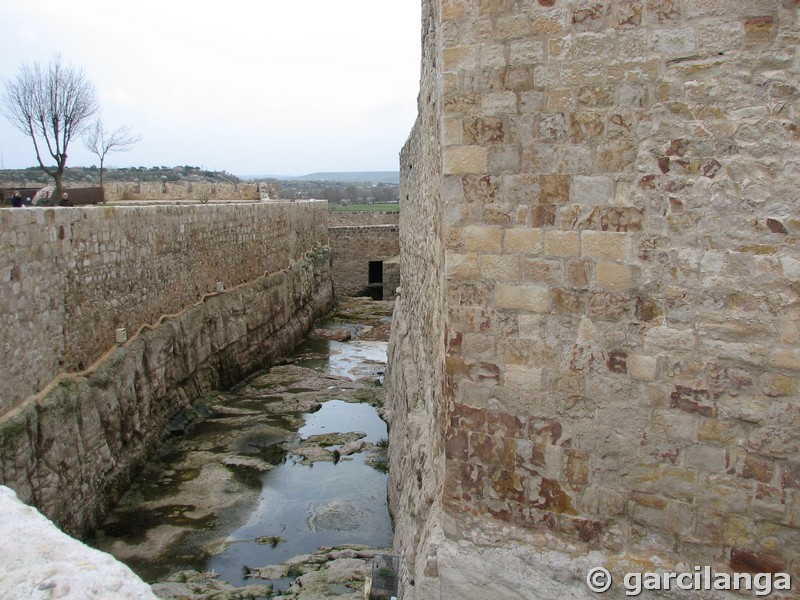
(252, 87)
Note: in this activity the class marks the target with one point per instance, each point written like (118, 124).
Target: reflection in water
(324, 504)
(265, 516)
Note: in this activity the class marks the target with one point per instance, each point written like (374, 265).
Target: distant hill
(340, 177)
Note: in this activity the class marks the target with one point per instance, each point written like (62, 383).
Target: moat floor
(277, 487)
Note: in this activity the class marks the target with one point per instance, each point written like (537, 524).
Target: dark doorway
(375, 286)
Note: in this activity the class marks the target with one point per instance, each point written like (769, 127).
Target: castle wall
(362, 218)
(72, 276)
(616, 270)
(354, 248)
(183, 191)
(81, 414)
(74, 450)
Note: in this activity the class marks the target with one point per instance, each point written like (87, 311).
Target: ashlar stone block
(562, 243)
(522, 297)
(614, 276)
(483, 238)
(464, 160)
(605, 245)
(523, 240)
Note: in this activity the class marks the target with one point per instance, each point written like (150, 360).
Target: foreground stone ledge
(40, 561)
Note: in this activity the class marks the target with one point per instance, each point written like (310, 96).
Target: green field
(394, 207)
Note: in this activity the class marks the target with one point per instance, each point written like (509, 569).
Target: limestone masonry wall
(354, 248)
(75, 274)
(182, 191)
(71, 276)
(359, 218)
(611, 247)
(74, 451)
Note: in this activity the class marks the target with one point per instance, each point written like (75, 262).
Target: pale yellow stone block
(452, 132)
(499, 267)
(483, 238)
(613, 276)
(522, 297)
(790, 333)
(456, 57)
(562, 243)
(642, 367)
(560, 100)
(523, 240)
(462, 266)
(523, 377)
(464, 160)
(785, 358)
(605, 244)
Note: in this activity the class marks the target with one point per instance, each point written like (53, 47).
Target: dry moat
(275, 487)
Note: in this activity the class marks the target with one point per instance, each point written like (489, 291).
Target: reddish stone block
(758, 468)
(791, 475)
(591, 16)
(776, 226)
(483, 189)
(543, 215)
(743, 559)
(473, 478)
(617, 361)
(608, 305)
(506, 485)
(587, 530)
(566, 301)
(483, 130)
(505, 425)
(692, 400)
(493, 450)
(456, 444)
(646, 309)
(468, 417)
(552, 498)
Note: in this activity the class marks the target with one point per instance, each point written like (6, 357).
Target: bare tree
(51, 105)
(98, 141)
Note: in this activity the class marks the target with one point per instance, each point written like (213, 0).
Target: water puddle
(292, 460)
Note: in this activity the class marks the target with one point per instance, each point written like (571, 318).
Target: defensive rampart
(71, 277)
(595, 358)
(72, 445)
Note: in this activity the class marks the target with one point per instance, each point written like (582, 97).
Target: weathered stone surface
(39, 561)
(76, 275)
(649, 352)
(73, 451)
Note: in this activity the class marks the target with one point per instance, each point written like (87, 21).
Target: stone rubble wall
(354, 248)
(74, 449)
(362, 218)
(617, 272)
(185, 191)
(69, 277)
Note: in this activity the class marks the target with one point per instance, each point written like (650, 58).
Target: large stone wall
(72, 447)
(182, 191)
(72, 276)
(607, 267)
(354, 248)
(362, 218)
(75, 449)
